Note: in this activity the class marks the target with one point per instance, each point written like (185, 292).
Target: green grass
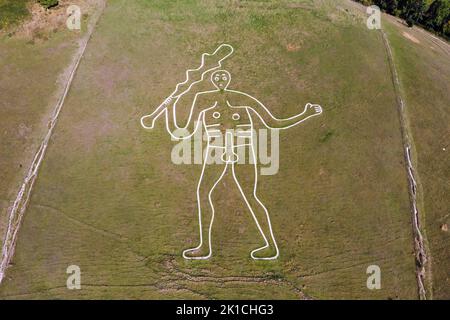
(109, 200)
(12, 11)
(28, 87)
(327, 136)
(425, 74)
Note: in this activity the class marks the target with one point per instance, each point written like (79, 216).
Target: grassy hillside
(30, 77)
(109, 199)
(12, 11)
(424, 68)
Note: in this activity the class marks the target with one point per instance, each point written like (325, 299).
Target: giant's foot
(197, 253)
(268, 252)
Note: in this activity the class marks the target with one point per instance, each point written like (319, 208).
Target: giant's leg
(246, 178)
(209, 178)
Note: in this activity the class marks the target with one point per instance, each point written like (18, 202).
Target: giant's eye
(224, 78)
(216, 79)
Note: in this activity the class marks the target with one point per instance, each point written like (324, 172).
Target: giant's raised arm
(148, 121)
(209, 62)
(201, 102)
(243, 100)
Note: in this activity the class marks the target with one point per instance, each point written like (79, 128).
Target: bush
(447, 29)
(413, 11)
(410, 22)
(48, 3)
(437, 15)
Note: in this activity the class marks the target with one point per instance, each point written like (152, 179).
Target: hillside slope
(109, 199)
(424, 66)
(32, 74)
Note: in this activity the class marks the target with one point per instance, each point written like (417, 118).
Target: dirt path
(419, 247)
(17, 211)
(419, 243)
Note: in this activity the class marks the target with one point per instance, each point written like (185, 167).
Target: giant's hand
(148, 121)
(312, 110)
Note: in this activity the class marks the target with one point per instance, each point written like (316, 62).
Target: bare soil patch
(43, 22)
(410, 37)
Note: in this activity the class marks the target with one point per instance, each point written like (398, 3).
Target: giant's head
(221, 79)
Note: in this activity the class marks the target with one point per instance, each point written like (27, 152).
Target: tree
(412, 10)
(446, 29)
(390, 6)
(432, 14)
(48, 3)
(437, 15)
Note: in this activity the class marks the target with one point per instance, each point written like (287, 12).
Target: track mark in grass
(421, 257)
(17, 211)
(266, 280)
(327, 136)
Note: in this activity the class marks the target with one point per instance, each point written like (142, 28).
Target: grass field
(425, 74)
(12, 11)
(109, 199)
(30, 78)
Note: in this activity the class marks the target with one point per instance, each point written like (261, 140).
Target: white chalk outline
(173, 99)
